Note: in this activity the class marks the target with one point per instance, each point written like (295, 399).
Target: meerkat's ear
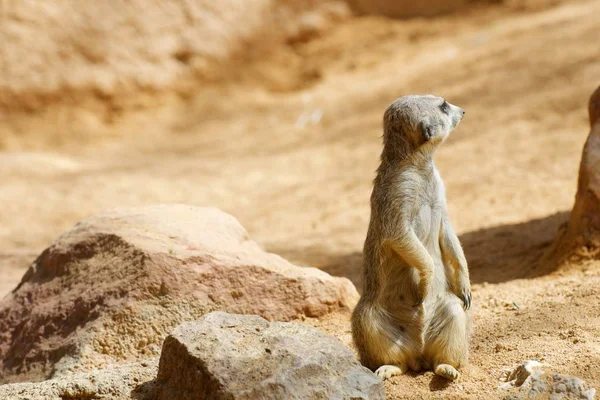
(426, 129)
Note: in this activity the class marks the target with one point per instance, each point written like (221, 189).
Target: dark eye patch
(445, 107)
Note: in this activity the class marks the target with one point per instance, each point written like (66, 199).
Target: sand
(295, 163)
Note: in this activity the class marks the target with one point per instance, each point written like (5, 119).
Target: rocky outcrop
(529, 380)
(115, 285)
(225, 356)
(582, 234)
(12, 266)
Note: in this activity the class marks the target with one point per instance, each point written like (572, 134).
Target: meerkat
(413, 313)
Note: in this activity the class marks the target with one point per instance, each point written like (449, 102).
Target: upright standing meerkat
(413, 312)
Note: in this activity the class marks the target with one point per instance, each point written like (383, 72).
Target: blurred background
(271, 111)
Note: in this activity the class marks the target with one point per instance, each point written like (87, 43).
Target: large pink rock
(115, 285)
(583, 230)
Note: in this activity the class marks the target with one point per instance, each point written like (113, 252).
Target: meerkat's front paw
(466, 298)
(420, 297)
(462, 289)
(422, 291)
(418, 302)
(464, 293)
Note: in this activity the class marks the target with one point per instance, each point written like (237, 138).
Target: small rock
(503, 347)
(305, 118)
(519, 375)
(568, 387)
(224, 356)
(530, 380)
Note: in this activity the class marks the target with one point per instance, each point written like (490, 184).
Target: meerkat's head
(419, 121)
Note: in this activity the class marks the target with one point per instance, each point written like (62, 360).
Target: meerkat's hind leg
(446, 371)
(387, 371)
(447, 343)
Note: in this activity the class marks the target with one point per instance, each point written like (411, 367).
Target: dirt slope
(295, 167)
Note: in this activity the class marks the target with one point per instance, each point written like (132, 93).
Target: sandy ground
(295, 166)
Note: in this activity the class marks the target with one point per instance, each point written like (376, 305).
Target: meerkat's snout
(456, 115)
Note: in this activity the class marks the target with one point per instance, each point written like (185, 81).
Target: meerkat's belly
(427, 224)
(401, 283)
(427, 227)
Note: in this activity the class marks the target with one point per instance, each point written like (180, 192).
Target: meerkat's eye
(445, 107)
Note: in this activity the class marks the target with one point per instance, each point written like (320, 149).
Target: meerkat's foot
(447, 371)
(387, 371)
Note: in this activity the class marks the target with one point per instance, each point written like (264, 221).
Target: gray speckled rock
(570, 387)
(227, 356)
(117, 382)
(529, 381)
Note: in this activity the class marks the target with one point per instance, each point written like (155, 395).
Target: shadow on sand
(497, 254)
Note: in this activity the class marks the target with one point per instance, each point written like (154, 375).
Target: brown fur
(412, 314)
